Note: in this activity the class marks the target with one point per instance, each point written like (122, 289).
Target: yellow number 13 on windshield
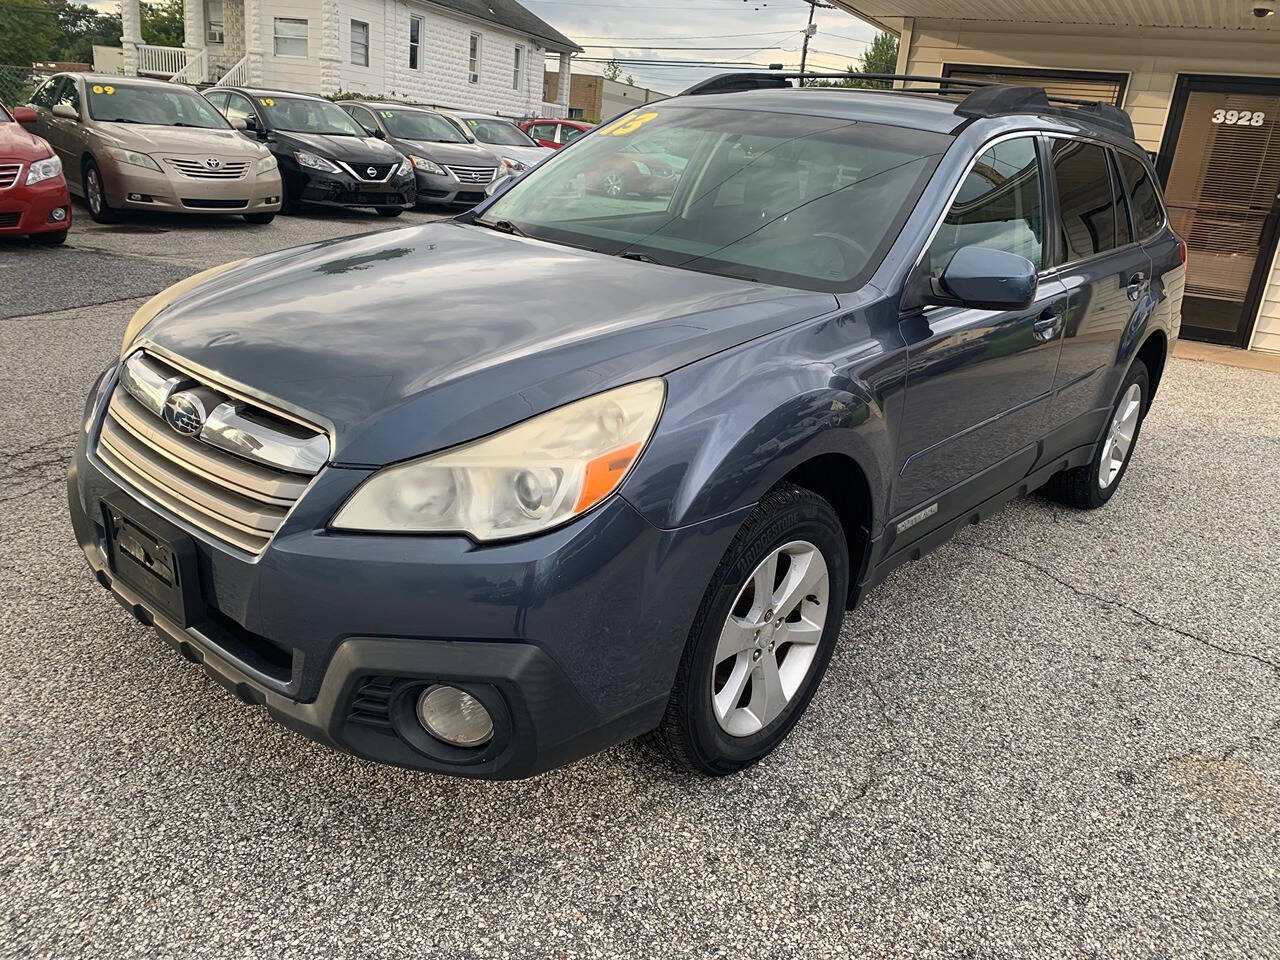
(628, 125)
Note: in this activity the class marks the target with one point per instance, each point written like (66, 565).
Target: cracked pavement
(1057, 736)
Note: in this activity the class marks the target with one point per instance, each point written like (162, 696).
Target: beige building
(1201, 80)
(597, 98)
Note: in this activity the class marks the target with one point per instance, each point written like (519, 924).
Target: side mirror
(985, 279)
(65, 111)
(238, 123)
(375, 133)
(25, 115)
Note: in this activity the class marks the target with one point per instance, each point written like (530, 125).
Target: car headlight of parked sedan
(265, 165)
(525, 479)
(427, 166)
(404, 170)
(45, 169)
(314, 162)
(512, 167)
(133, 157)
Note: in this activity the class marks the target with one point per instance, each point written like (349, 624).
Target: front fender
(738, 422)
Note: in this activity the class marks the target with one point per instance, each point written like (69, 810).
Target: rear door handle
(1049, 322)
(1137, 286)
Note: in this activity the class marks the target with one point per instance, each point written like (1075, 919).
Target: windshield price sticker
(388, 114)
(628, 125)
(1239, 118)
(267, 101)
(108, 89)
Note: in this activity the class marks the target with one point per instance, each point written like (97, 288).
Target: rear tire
(389, 211)
(1091, 485)
(50, 239)
(738, 691)
(259, 217)
(95, 195)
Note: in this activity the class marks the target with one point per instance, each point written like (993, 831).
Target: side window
(238, 108)
(543, 131)
(1085, 198)
(569, 134)
(999, 206)
(218, 99)
(363, 117)
(1143, 200)
(1124, 230)
(44, 96)
(67, 93)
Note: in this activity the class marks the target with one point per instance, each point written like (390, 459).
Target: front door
(1220, 164)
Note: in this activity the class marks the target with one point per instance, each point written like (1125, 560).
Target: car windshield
(809, 202)
(420, 125)
(158, 106)
(498, 132)
(300, 115)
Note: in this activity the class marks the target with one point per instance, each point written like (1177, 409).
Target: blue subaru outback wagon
(487, 495)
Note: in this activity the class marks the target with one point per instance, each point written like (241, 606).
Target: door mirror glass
(238, 123)
(66, 111)
(985, 279)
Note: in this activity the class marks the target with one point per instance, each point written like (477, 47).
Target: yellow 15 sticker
(628, 125)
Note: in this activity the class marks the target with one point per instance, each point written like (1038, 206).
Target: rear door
(1107, 274)
(979, 381)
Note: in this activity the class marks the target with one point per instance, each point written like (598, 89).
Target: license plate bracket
(154, 557)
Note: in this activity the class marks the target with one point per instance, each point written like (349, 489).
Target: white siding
(291, 73)
(363, 79)
(1152, 59)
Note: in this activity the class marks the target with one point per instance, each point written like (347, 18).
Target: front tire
(95, 195)
(762, 637)
(1091, 485)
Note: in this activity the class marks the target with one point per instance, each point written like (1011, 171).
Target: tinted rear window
(1089, 213)
(1144, 201)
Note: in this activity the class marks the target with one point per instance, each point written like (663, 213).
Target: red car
(554, 133)
(33, 192)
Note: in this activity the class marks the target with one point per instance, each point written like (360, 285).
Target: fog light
(57, 214)
(271, 200)
(135, 197)
(454, 716)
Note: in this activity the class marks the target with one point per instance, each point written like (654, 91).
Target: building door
(1220, 164)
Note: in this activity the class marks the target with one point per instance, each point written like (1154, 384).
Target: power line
(713, 36)
(618, 46)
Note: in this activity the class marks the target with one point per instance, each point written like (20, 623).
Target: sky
(765, 32)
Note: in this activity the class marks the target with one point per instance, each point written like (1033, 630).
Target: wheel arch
(1153, 353)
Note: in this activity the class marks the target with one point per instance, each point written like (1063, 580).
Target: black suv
(601, 466)
(325, 157)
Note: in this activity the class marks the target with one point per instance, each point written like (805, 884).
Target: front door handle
(1049, 322)
(1137, 286)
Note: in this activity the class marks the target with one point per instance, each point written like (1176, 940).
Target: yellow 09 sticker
(628, 125)
(108, 89)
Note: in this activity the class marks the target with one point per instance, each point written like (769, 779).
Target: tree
(162, 23)
(28, 32)
(880, 57)
(612, 70)
(81, 27)
(631, 81)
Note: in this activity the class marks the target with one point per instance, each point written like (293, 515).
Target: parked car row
(127, 144)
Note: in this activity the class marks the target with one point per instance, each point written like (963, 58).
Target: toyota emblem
(185, 413)
(372, 172)
(213, 163)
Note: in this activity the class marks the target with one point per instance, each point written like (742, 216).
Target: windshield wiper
(502, 226)
(643, 258)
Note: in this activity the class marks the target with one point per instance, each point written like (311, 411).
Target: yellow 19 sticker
(628, 125)
(267, 101)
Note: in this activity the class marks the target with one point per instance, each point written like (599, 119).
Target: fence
(18, 83)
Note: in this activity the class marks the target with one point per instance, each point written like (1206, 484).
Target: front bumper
(571, 638)
(164, 191)
(25, 210)
(344, 190)
(433, 188)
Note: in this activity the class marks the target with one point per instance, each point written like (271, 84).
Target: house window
(213, 21)
(290, 37)
(473, 61)
(575, 113)
(359, 43)
(517, 69)
(415, 41)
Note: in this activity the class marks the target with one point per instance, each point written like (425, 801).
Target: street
(1058, 735)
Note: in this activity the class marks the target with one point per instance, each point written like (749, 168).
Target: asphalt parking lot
(1059, 735)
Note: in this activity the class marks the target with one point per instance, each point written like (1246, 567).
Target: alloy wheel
(770, 638)
(1124, 425)
(93, 190)
(613, 185)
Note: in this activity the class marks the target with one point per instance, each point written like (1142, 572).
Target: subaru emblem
(184, 412)
(213, 163)
(372, 172)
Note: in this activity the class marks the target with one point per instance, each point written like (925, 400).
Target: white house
(485, 55)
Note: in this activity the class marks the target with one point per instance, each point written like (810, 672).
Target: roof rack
(983, 98)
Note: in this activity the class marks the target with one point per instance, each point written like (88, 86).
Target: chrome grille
(200, 170)
(472, 174)
(9, 174)
(234, 472)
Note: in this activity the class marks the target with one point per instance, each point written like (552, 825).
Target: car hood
(527, 155)
(179, 141)
(466, 154)
(18, 143)
(407, 341)
(347, 149)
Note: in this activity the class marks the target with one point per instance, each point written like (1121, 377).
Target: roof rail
(984, 98)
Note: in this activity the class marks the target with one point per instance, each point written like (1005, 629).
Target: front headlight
(512, 166)
(404, 169)
(426, 166)
(313, 162)
(266, 165)
(522, 480)
(148, 311)
(42, 170)
(121, 155)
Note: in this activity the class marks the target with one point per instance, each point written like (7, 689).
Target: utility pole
(809, 31)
